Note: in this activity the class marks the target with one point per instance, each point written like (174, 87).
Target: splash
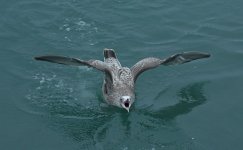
(79, 29)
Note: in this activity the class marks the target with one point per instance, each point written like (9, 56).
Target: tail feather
(108, 53)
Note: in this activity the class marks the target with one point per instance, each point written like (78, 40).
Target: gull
(119, 82)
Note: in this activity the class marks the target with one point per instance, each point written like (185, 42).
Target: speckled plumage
(119, 82)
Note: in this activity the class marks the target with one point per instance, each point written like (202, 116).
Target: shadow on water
(96, 127)
(190, 97)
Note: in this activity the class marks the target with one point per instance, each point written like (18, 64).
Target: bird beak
(126, 103)
(127, 108)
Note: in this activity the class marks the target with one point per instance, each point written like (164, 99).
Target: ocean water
(195, 106)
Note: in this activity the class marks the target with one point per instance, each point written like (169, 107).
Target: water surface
(192, 106)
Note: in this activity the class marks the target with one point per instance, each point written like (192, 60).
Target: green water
(195, 106)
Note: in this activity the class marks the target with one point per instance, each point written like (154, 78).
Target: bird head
(126, 102)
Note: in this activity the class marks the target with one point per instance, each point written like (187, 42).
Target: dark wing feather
(75, 62)
(151, 62)
(185, 57)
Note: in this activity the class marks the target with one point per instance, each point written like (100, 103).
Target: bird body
(118, 86)
(119, 82)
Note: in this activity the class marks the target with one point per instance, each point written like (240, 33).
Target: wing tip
(197, 53)
(207, 55)
(43, 58)
(38, 58)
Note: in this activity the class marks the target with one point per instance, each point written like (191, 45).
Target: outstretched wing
(143, 65)
(151, 62)
(185, 57)
(97, 64)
